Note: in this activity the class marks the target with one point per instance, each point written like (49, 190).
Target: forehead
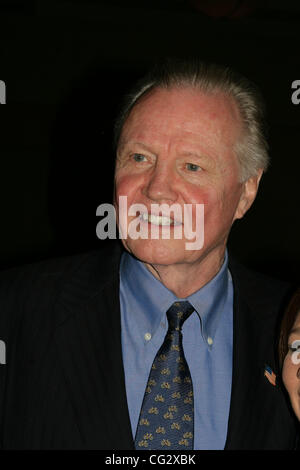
(295, 329)
(297, 320)
(184, 112)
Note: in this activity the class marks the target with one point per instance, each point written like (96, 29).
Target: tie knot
(178, 313)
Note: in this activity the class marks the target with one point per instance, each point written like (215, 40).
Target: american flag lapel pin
(270, 375)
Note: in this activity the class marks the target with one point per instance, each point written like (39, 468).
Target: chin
(158, 252)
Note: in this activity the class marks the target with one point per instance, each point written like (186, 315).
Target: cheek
(196, 195)
(126, 185)
(288, 373)
(215, 204)
(210, 198)
(214, 190)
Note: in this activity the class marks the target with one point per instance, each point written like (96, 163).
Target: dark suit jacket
(63, 387)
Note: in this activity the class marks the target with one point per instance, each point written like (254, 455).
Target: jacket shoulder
(29, 294)
(258, 289)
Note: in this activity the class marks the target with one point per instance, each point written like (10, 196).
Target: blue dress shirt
(207, 343)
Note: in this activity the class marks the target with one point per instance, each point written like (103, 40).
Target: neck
(186, 278)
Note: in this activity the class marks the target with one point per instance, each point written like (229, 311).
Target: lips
(160, 220)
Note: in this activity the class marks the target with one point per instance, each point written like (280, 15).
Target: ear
(250, 187)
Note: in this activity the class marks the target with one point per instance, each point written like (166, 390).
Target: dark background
(66, 65)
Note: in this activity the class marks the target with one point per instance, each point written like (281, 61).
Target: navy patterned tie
(167, 415)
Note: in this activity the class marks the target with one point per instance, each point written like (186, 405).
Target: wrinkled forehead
(183, 107)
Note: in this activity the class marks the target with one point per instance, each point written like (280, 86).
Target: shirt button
(147, 336)
(210, 340)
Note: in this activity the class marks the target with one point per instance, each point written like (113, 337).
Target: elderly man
(163, 345)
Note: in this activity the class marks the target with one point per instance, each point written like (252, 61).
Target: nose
(160, 184)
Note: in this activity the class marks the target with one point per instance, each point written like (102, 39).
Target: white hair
(252, 147)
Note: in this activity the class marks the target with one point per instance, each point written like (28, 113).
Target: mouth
(159, 220)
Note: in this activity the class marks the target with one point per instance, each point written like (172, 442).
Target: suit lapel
(89, 344)
(252, 395)
(244, 375)
(111, 378)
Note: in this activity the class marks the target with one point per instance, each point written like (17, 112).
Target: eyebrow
(129, 144)
(185, 153)
(191, 153)
(294, 330)
(200, 156)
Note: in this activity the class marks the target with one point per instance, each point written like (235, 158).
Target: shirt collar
(149, 296)
(209, 301)
(152, 299)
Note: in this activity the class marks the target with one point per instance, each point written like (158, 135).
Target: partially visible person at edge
(150, 345)
(289, 351)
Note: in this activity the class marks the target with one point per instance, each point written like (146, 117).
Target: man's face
(176, 147)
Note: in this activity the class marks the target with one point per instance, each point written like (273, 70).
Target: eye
(138, 157)
(295, 346)
(192, 167)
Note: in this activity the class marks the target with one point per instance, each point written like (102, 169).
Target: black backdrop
(66, 65)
